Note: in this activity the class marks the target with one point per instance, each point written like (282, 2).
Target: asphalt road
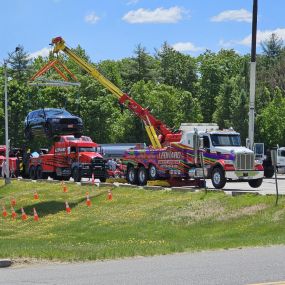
(238, 266)
(267, 187)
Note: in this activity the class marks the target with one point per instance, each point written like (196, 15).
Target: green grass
(135, 222)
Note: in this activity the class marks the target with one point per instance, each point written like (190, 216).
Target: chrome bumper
(244, 174)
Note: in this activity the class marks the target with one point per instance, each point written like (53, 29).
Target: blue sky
(111, 29)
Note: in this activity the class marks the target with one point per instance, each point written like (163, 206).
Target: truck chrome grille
(244, 161)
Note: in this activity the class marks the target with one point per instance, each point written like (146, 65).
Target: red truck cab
(69, 157)
(13, 162)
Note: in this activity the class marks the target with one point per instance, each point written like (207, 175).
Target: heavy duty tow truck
(179, 157)
(68, 157)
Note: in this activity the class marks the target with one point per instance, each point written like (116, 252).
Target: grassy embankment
(135, 222)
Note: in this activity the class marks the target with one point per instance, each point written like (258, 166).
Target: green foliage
(214, 87)
(271, 121)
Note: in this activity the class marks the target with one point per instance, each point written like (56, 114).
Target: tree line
(176, 87)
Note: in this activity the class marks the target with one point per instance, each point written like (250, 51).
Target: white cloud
(186, 46)
(132, 2)
(159, 15)
(43, 52)
(261, 36)
(241, 15)
(91, 18)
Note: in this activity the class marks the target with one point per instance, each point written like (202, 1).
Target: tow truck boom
(153, 126)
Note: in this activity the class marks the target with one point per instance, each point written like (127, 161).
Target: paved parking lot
(267, 187)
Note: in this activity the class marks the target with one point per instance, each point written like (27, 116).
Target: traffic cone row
(36, 197)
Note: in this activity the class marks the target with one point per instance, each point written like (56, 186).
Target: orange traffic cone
(4, 212)
(24, 215)
(110, 195)
(14, 214)
(88, 201)
(36, 217)
(64, 188)
(93, 179)
(36, 196)
(13, 202)
(67, 208)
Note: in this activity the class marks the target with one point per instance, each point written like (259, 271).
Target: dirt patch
(245, 211)
(25, 262)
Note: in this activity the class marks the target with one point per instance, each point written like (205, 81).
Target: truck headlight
(55, 120)
(229, 161)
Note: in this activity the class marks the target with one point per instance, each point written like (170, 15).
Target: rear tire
(76, 174)
(218, 178)
(255, 183)
(152, 172)
(132, 176)
(32, 173)
(142, 176)
(40, 174)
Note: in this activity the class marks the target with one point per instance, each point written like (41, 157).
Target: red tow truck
(68, 157)
(13, 161)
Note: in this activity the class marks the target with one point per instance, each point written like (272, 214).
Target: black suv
(52, 122)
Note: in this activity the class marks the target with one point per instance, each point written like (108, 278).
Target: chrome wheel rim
(217, 178)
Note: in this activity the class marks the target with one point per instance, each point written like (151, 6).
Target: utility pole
(7, 142)
(252, 78)
(7, 171)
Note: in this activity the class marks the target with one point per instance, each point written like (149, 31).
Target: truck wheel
(255, 183)
(142, 176)
(76, 174)
(40, 174)
(32, 173)
(132, 176)
(218, 178)
(152, 172)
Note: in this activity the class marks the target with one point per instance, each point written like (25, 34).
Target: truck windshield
(225, 140)
(87, 149)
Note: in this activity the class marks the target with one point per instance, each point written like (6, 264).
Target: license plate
(70, 126)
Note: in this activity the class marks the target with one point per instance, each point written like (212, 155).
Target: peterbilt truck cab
(225, 159)
(69, 157)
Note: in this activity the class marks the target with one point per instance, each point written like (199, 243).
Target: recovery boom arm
(152, 125)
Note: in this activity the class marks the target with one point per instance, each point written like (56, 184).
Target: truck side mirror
(68, 150)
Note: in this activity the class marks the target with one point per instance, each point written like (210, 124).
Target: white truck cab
(224, 156)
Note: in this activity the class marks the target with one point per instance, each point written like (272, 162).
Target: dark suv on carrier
(52, 122)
